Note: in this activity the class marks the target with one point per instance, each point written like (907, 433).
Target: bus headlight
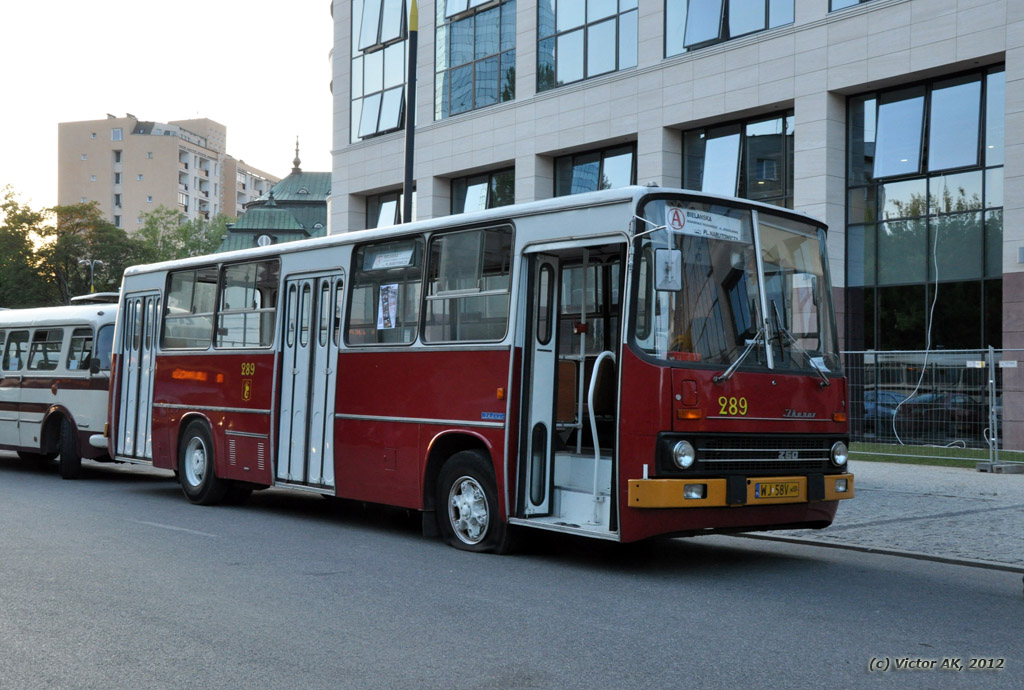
(840, 454)
(684, 454)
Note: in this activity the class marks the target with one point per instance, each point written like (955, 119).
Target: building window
(593, 170)
(487, 190)
(693, 24)
(92, 178)
(117, 221)
(385, 209)
(579, 39)
(475, 56)
(117, 200)
(85, 156)
(378, 67)
(183, 200)
(752, 159)
(93, 135)
(117, 156)
(149, 199)
(925, 214)
(139, 177)
(840, 4)
(117, 178)
(149, 154)
(83, 199)
(116, 134)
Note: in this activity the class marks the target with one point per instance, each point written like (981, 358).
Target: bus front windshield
(704, 295)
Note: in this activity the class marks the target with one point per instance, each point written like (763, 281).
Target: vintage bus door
(542, 366)
(138, 364)
(312, 321)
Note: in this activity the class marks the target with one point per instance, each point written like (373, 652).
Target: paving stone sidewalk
(941, 512)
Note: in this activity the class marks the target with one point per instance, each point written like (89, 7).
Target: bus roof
(94, 314)
(619, 195)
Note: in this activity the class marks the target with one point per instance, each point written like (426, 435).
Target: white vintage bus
(54, 377)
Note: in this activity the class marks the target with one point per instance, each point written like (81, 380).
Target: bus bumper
(736, 491)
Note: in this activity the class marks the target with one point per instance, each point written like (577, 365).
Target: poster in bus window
(388, 307)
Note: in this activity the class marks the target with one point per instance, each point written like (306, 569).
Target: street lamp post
(91, 263)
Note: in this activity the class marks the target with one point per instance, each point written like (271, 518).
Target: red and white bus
(53, 382)
(621, 364)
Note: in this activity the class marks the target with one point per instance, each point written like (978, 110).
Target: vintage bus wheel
(196, 467)
(467, 505)
(70, 463)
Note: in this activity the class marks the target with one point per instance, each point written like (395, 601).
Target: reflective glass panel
(441, 48)
(954, 125)
(486, 82)
(618, 170)
(902, 252)
(953, 193)
(994, 244)
(861, 143)
(371, 24)
(862, 205)
(391, 109)
(503, 188)
(627, 40)
(545, 18)
(508, 76)
(373, 71)
(488, 32)
(675, 27)
(461, 41)
(600, 58)
(746, 16)
(508, 25)
(995, 104)
(546, 64)
(898, 148)
(703, 22)
(586, 170)
(993, 188)
(958, 246)
(860, 255)
(721, 161)
(570, 57)
(368, 121)
(394, 65)
(461, 89)
(453, 7)
(903, 199)
(599, 9)
(765, 153)
(570, 14)
(780, 12)
(392, 20)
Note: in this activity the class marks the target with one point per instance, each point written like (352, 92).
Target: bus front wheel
(467, 505)
(196, 467)
(70, 463)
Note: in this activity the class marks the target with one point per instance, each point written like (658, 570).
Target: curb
(916, 555)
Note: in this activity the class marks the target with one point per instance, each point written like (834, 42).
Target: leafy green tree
(166, 235)
(20, 282)
(81, 233)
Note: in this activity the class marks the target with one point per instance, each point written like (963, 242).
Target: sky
(259, 67)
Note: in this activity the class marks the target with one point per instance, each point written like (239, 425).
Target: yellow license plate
(776, 489)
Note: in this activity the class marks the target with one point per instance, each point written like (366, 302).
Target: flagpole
(410, 111)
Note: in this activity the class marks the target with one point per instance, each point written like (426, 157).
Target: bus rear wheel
(70, 463)
(467, 505)
(196, 472)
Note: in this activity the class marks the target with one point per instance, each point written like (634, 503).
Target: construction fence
(932, 401)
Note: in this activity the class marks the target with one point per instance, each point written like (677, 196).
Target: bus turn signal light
(839, 417)
(501, 394)
(690, 413)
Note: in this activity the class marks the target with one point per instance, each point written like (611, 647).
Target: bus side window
(468, 286)
(104, 344)
(385, 290)
(44, 355)
(80, 351)
(188, 318)
(248, 304)
(14, 354)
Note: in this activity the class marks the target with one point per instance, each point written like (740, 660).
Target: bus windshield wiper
(783, 331)
(727, 374)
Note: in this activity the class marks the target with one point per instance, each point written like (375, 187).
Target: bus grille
(761, 453)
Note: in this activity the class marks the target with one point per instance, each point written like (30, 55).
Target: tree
(80, 233)
(20, 282)
(166, 235)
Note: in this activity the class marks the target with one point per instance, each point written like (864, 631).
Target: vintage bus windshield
(705, 296)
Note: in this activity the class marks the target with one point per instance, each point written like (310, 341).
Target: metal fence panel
(945, 398)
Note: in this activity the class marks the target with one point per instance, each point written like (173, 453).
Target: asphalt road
(116, 581)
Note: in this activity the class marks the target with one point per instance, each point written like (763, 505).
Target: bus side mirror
(94, 365)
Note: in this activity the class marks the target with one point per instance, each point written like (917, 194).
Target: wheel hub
(468, 511)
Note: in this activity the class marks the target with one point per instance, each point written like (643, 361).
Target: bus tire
(70, 463)
(467, 505)
(196, 467)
